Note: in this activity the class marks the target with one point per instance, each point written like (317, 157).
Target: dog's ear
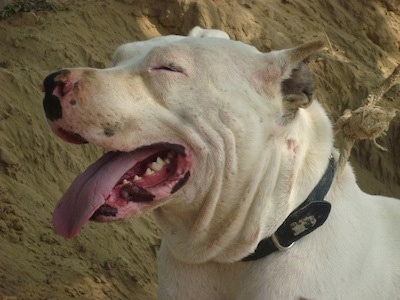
(199, 32)
(297, 85)
(297, 90)
(300, 53)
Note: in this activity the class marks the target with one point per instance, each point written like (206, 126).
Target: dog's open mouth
(122, 184)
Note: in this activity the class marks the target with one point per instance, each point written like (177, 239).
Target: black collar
(310, 215)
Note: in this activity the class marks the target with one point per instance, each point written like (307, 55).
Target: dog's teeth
(156, 167)
(167, 161)
(170, 154)
(160, 161)
(125, 182)
(148, 172)
(136, 178)
(158, 164)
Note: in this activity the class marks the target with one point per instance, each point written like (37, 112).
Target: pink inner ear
(267, 80)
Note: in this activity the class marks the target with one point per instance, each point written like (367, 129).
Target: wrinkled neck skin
(261, 178)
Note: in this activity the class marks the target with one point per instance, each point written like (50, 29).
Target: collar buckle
(278, 245)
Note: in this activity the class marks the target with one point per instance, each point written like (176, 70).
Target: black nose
(51, 103)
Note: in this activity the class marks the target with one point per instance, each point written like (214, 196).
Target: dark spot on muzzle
(104, 210)
(51, 103)
(135, 193)
(181, 182)
(108, 131)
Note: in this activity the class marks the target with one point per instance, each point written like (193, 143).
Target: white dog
(224, 145)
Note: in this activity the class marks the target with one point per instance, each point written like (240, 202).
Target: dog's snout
(55, 86)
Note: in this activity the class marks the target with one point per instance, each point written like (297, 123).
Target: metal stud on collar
(278, 245)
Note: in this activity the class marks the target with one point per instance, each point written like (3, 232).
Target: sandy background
(117, 261)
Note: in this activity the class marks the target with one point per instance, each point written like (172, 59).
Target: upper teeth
(154, 166)
(148, 172)
(158, 164)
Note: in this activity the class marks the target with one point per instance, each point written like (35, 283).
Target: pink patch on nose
(67, 87)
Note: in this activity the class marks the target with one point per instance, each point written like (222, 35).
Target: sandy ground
(117, 261)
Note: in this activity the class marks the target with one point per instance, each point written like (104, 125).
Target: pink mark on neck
(292, 149)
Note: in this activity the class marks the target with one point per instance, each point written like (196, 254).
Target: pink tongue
(90, 190)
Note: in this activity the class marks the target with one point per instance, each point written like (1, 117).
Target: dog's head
(185, 120)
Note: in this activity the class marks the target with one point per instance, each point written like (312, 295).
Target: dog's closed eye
(171, 67)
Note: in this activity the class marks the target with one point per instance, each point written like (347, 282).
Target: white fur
(251, 169)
